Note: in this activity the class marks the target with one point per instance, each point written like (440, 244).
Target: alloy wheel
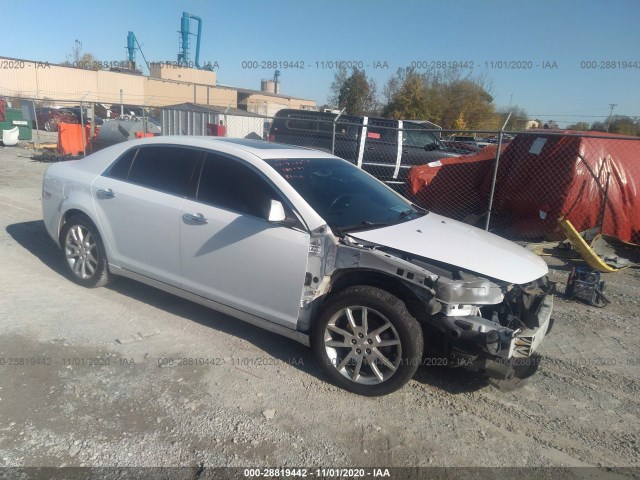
(363, 345)
(81, 252)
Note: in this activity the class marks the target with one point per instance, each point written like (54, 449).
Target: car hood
(445, 240)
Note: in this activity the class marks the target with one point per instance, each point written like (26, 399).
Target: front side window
(229, 184)
(164, 168)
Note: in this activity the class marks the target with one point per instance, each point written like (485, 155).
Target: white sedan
(306, 245)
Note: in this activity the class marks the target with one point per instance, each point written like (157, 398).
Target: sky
(569, 37)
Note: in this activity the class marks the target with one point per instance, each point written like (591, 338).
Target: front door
(231, 254)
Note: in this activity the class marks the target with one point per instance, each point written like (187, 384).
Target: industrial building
(166, 85)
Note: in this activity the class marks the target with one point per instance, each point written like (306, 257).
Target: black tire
(83, 252)
(401, 343)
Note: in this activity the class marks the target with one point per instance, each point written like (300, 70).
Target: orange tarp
(453, 186)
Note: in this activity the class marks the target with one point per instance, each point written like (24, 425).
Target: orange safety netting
(542, 177)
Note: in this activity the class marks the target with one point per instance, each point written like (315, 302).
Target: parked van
(383, 147)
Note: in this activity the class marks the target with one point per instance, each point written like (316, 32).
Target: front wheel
(83, 252)
(367, 342)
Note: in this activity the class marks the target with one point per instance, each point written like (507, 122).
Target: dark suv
(383, 147)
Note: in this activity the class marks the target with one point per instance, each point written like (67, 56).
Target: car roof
(259, 148)
(251, 151)
(292, 113)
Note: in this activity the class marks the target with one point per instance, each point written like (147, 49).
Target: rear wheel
(83, 252)
(367, 342)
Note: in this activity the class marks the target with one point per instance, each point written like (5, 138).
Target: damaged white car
(306, 245)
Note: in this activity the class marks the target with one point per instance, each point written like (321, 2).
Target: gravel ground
(84, 382)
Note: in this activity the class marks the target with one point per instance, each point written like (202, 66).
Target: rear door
(138, 202)
(231, 254)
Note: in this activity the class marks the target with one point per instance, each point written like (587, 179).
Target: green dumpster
(13, 118)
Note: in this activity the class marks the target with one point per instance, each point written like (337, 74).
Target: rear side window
(167, 169)
(302, 124)
(120, 168)
(326, 126)
(232, 185)
(383, 131)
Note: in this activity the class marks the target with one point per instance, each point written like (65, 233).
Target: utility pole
(612, 105)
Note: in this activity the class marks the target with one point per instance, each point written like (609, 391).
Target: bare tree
(78, 58)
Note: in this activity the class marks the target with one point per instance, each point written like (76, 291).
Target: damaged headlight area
(481, 322)
(476, 322)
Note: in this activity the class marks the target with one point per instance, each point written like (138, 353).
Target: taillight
(271, 138)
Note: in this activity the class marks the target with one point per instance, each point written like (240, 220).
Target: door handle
(405, 151)
(371, 148)
(194, 218)
(105, 193)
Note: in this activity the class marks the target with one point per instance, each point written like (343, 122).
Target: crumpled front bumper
(474, 336)
(508, 358)
(524, 343)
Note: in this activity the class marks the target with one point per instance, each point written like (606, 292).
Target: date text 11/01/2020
(385, 65)
(350, 64)
(336, 472)
(439, 64)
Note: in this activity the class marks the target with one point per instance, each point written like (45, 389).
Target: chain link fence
(40, 119)
(590, 179)
(516, 184)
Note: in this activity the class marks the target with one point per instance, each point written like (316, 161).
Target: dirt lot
(84, 380)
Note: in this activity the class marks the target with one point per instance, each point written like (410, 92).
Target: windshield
(345, 196)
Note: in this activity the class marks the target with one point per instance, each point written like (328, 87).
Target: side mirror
(276, 212)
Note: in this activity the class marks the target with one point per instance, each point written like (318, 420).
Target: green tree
(623, 125)
(579, 126)
(339, 79)
(467, 96)
(407, 96)
(358, 94)
(598, 127)
(441, 97)
(518, 119)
